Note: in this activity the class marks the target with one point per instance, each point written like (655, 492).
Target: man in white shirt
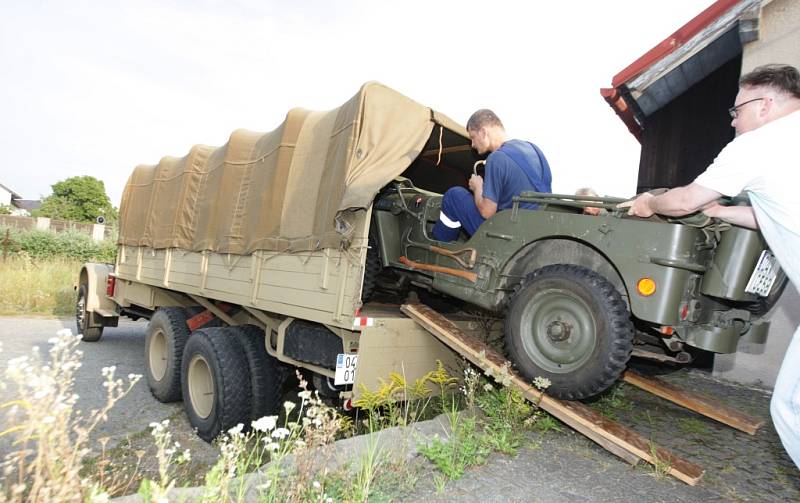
(763, 160)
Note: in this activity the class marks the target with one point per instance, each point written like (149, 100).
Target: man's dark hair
(782, 78)
(482, 118)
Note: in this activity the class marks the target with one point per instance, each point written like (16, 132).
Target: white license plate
(345, 369)
(764, 275)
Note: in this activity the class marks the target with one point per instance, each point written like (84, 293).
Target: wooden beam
(608, 434)
(696, 402)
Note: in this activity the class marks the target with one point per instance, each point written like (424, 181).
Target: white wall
(5, 197)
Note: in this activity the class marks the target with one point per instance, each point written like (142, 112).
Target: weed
(661, 467)
(440, 482)
(543, 422)
(465, 447)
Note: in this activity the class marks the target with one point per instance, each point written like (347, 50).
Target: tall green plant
(69, 244)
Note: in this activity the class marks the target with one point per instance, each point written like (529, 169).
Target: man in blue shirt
(513, 166)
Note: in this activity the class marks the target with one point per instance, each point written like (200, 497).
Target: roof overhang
(697, 49)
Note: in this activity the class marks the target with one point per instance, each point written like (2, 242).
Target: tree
(79, 198)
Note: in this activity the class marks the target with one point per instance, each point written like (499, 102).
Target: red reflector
(198, 320)
(667, 330)
(111, 285)
(684, 311)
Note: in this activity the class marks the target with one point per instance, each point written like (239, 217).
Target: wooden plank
(701, 404)
(607, 433)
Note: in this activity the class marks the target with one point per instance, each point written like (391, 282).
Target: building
(674, 100)
(20, 207)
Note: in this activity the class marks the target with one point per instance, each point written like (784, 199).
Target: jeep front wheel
(570, 325)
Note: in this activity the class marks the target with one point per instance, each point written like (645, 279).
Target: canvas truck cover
(288, 190)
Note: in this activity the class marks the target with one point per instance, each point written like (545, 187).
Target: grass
(37, 287)
(613, 401)
(694, 427)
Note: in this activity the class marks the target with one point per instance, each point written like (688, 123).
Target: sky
(95, 88)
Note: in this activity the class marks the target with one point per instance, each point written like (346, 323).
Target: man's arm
(486, 207)
(737, 215)
(675, 202)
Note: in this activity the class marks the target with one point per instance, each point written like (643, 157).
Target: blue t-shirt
(505, 178)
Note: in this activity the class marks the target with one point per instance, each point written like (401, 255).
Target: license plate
(764, 275)
(345, 369)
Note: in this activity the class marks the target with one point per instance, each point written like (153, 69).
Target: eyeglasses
(734, 111)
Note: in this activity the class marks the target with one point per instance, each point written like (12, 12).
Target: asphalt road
(122, 346)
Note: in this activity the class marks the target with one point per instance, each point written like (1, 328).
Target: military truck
(266, 255)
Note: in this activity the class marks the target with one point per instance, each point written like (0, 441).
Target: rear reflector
(111, 285)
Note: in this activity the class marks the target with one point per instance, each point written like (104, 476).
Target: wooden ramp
(616, 438)
(694, 401)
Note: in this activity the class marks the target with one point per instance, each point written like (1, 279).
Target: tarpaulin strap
(441, 132)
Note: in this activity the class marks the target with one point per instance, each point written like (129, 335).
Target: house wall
(778, 36)
(778, 42)
(5, 197)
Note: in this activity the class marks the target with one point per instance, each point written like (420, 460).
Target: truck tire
(570, 325)
(163, 350)
(372, 268)
(215, 379)
(266, 375)
(83, 317)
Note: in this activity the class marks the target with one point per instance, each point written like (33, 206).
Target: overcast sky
(95, 88)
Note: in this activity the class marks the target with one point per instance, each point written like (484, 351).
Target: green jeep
(578, 291)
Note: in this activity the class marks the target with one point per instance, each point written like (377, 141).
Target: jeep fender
(562, 251)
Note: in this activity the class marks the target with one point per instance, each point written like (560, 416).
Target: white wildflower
(541, 383)
(316, 484)
(265, 424)
(280, 433)
(305, 394)
(289, 406)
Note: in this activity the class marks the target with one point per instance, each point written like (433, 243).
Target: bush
(70, 244)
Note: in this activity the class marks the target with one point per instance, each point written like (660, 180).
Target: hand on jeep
(639, 207)
(476, 184)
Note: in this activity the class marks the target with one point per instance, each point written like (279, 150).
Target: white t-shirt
(765, 163)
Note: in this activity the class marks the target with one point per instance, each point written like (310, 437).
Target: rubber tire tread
(172, 320)
(266, 373)
(372, 268)
(90, 334)
(227, 362)
(610, 356)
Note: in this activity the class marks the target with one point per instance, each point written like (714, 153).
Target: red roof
(666, 47)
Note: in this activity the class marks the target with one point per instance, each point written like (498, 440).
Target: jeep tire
(164, 341)
(215, 379)
(570, 325)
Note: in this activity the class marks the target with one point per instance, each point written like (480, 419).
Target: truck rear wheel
(215, 379)
(266, 375)
(570, 325)
(163, 349)
(83, 318)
